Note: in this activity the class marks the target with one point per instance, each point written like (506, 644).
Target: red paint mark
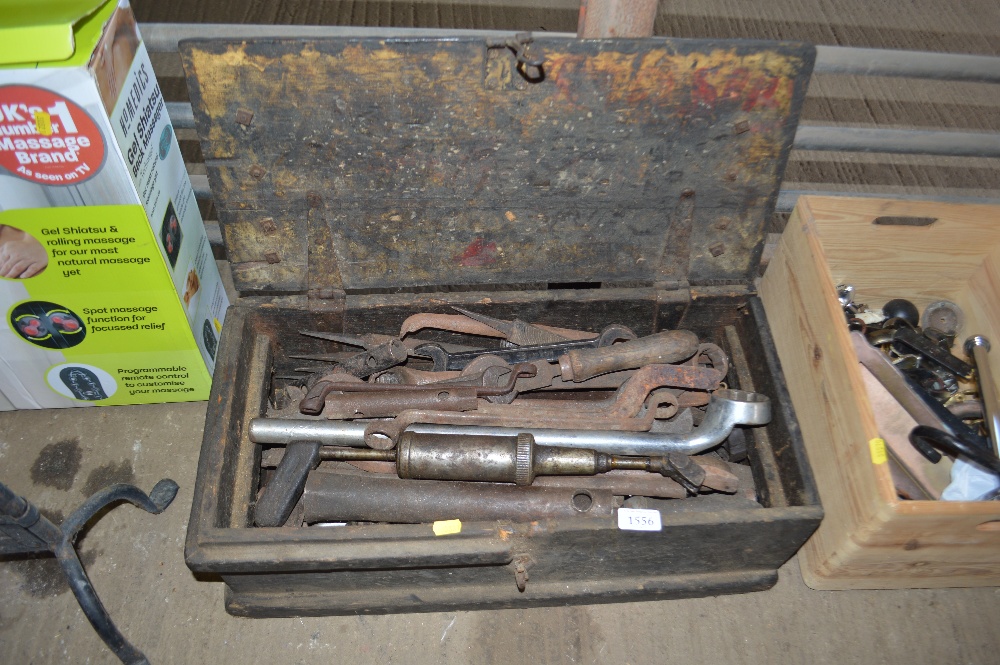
(736, 83)
(703, 92)
(761, 93)
(478, 253)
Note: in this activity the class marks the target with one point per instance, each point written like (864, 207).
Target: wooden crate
(869, 538)
(361, 181)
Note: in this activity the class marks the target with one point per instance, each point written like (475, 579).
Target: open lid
(50, 31)
(341, 164)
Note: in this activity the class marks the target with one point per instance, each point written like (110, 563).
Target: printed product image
(47, 324)
(82, 382)
(21, 254)
(170, 234)
(211, 343)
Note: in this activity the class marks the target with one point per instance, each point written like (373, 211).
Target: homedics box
(109, 293)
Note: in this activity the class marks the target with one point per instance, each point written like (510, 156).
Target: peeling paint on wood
(434, 169)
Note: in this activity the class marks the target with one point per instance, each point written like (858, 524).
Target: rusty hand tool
(523, 333)
(548, 376)
(383, 434)
(407, 376)
(330, 496)
(375, 400)
(371, 341)
(631, 395)
(16, 512)
(282, 492)
(475, 373)
(386, 404)
(670, 346)
(978, 348)
(471, 326)
(360, 365)
(640, 483)
(726, 409)
(443, 360)
(511, 459)
(711, 355)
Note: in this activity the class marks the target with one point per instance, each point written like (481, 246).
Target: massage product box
(109, 293)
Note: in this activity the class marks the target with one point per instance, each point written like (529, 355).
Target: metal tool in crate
(949, 400)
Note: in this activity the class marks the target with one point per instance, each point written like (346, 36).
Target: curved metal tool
(975, 450)
(60, 539)
(520, 332)
(383, 434)
(443, 360)
(474, 326)
(726, 409)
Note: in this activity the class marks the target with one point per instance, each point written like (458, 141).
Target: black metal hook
(59, 540)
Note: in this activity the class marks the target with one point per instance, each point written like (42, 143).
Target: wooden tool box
(922, 251)
(361, 181)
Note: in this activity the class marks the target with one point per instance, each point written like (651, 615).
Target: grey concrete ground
(137, 565)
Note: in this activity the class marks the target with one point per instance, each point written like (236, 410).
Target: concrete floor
(136, 562)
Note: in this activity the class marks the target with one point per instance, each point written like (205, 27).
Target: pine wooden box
(869, 538)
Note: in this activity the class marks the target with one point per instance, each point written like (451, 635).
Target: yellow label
(43, 123)
(447, 527)
(877, 447)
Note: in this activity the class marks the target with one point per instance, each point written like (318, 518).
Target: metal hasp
(726, 409)
(347, 497)
(59, 540)
(978, 348)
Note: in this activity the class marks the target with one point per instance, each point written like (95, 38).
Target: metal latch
(527, 61)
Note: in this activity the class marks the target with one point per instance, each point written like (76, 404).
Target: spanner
(444, 361)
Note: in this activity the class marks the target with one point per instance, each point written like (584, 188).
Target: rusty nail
(258, 171)
(244, 117)
(687, 193)
(731, 174)
(268, 226)
(272, 257)
(722, 224)
(314, 199)
(717, 249)
(741, 127)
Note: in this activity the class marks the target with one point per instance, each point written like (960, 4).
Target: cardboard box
(922, 251)
(108, 288)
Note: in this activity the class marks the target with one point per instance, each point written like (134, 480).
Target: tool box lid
(351, 165)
